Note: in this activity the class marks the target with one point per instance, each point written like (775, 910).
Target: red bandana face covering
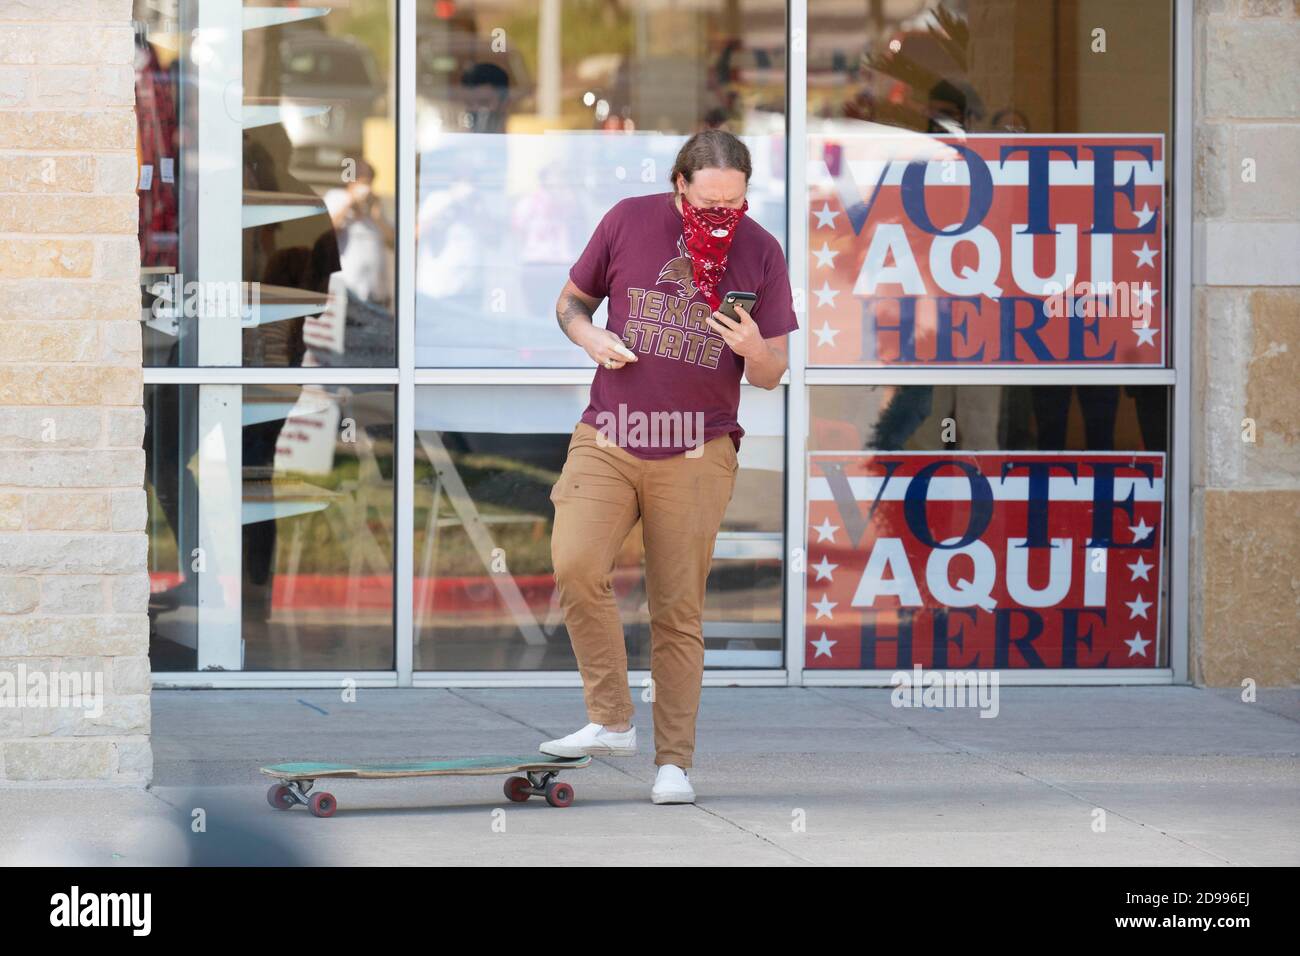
(708, 233)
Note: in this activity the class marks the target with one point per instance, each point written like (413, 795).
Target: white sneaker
(672, 785)
(593, 740)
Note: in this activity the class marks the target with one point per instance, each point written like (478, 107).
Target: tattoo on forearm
(571, 309)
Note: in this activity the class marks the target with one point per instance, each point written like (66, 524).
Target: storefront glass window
(986, 526)
(267, 183)
(272, 551)
(988, 186)
(534, 118)
(484, 586)
(984, 186)
(983, 241)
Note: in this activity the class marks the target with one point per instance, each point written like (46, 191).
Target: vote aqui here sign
(983, 560)
(986, 250)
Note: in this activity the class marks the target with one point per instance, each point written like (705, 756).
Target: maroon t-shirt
(684, 388)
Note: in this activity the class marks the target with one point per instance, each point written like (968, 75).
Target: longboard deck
(463, 766)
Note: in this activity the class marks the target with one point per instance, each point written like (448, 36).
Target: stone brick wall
(73, 582)
(1246, 495)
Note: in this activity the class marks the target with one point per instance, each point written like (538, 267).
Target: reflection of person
(281, 346)
(460, 222)
(971, 410)
(174, 487)
(364, 236)
(273, 254)
(947, 108)
(907, 408)
(663, 261)
(1052, 414)
(485, 91)
(544, 225)
(278, 255)
(157, 135)
(1009, 120)
(860, 106)
(1099, 405)
(1149, 402)
(453, 247)
(267, 152)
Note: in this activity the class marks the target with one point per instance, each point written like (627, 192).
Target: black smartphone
(745, 299)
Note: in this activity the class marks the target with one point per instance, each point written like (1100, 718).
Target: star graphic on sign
(1146, 255)
(824, 608)
(1136, 647)
(826, 334)
(824, 569)
(825, 256)
(825, 217)
(1144, 214)
(826, 295)
(1140, 569)
(823, 646)
(1137, 608)
(826, 530)
(1140, 530)
(1146, 294)
(1146, 336)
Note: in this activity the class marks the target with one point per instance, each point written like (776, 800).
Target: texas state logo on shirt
(672, 326)
(680, 270)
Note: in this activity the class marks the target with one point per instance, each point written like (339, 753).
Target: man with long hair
(659, 440)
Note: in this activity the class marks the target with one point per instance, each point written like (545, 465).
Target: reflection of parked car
(338, 73)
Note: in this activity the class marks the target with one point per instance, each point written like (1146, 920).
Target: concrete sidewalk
(784, 776)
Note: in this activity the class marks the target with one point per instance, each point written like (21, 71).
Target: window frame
(796, 382)
(1175, 375)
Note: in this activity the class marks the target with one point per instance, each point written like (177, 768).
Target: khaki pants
(602, 491)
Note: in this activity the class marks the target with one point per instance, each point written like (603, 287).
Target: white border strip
(511, 376)
(404, 465)
(636, 679)
(231, 680)
(796, 419)
(1180, 323)
(269, 376)
(219, 680)
(1009, 677)
(987, 375)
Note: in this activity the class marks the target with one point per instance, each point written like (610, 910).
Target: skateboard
(538, 780)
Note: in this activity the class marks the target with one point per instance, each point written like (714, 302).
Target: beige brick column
(73, 582)
(1246, 494)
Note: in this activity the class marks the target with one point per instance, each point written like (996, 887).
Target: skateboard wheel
(322, 804)
(517, 789)
(559, 794)
(280, 797)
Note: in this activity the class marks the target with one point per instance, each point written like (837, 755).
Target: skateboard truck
(284, 796)
(539, 783)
